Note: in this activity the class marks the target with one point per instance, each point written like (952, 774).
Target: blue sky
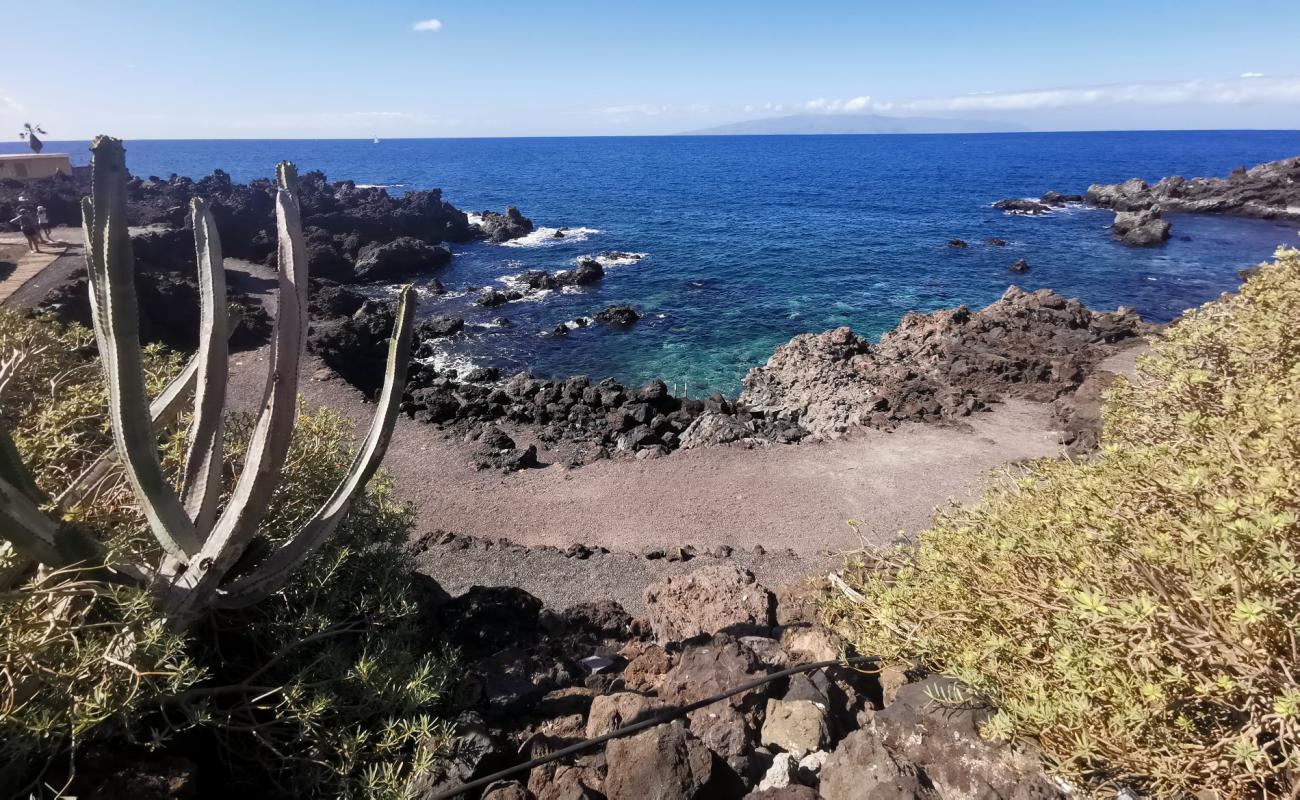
(327, 68)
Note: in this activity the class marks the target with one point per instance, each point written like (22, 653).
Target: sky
(162, 69)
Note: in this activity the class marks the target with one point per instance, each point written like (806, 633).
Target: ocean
(749, 241)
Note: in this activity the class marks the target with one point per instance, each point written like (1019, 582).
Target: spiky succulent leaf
(272, 573)
(111, 267)
(201, 479)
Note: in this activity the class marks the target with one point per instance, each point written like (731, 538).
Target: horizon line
(679, 135)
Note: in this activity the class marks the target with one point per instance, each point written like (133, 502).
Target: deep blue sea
(751, 240)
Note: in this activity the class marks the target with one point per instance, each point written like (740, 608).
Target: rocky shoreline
(1265, 191)
(936, 367)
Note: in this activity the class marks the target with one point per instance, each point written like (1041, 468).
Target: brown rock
(613, 711)
(862, 769)
(662, 763)
(647, 665)
(558, 781)
(938, 366)
(791, 792)
(796, 726)
(506, 791)
(716, 598)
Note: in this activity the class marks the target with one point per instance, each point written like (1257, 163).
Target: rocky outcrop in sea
(1268, 191)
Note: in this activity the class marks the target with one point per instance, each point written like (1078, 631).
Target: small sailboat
(376, 140)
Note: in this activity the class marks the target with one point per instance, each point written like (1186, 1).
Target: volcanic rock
(507, 226)
(1143, 228)
(662, 763)
(938, 366)
(587, 272)
(400, 258)
(617, 316)
(1023, 205)
(721, 597)
(1269, 191)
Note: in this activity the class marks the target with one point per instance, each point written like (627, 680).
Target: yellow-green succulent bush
(1136, 614)
(328, 688)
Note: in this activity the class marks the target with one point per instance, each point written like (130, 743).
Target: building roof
(22, 156)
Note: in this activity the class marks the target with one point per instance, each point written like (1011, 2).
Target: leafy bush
(1135, 614)
(327, 688)
(329, 685)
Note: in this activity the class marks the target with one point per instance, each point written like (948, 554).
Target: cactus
(200, 544)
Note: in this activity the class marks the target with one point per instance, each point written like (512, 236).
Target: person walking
(43, 221)
(27, 224)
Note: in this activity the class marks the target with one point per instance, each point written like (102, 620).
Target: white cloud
(1232, 91)
(1249, 88)
(836, 105)
(427, 25)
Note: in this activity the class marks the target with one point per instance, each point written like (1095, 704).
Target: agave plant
(200, 540)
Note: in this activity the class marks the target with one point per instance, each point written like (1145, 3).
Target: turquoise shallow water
(751, 240)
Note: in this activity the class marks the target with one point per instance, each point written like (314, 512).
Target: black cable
(657, 719)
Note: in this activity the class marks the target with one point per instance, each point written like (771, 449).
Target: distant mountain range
(856, 123)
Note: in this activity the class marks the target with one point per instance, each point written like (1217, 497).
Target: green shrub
(1135, 615)
(328, 688)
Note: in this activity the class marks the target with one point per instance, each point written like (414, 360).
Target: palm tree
(29, 133)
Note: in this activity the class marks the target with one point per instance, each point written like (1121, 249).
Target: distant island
(807, 124)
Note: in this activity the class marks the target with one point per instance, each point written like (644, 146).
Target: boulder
(512, 790)
(729, 727)
(331, 300)
(647, 665)
(560, 781)
(662, 763)
(957, 244)
(587, 272)
(1056, 199)
(792, 792)
(356, 347)
(1019, 265)
(716, 598)
(1023, 205)
(713, 428)
(796, 726)
(504, 227)
(861, 768)
(491, 298)
(617, 316)
(439, 327)
(783, 773)
(610, 712)
(945, 743)
(1144, 228)
(994, 241)
(400, 258)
